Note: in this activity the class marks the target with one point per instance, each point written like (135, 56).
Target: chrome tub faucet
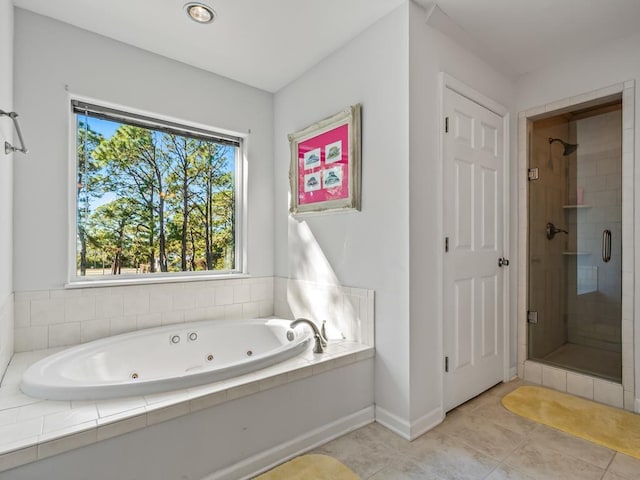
(320, 341)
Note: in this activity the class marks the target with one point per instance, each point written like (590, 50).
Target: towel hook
(8, 148)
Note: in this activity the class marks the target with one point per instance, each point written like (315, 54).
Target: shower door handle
(606, 245)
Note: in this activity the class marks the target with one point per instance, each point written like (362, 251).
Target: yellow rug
(607, 426)
(310, 467)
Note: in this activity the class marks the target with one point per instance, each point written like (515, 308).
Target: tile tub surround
(56, 318)
(349, 311)
(32, 429)
(6, 331)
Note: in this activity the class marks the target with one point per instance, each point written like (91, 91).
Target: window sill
(127, 281)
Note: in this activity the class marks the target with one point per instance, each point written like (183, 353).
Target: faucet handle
(323, 333)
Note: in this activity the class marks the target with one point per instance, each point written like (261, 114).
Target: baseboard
(637, 405)
(426, 423)
(409, 431)
(513, 373)
(393, 423)
(263, 461)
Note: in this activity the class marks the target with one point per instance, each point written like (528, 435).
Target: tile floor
(480, 440)
(590, 360)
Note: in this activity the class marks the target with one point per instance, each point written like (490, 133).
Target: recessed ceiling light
(199, 12)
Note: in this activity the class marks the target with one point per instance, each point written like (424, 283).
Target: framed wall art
(326, 164)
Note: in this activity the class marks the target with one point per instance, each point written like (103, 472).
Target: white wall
(393, 246)
(368, 249)
(613, 63)
(49, 55)
(6, 185)
(431, 52)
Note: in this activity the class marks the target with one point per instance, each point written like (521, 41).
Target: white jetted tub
(164, 358)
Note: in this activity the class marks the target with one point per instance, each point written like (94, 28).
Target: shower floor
(588, 360)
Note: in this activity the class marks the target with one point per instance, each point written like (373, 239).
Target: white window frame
(76, 281)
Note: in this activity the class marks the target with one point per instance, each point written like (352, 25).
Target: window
(153, 197)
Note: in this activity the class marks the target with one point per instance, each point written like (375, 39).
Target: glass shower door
(575, 247)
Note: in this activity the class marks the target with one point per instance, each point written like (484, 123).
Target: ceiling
(263, 43)
(269, 43)
(526, 35)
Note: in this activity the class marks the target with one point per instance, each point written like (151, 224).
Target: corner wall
(431, 52)
(367, 249)
(6, 185)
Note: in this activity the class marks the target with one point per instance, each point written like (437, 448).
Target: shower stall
(575, 240)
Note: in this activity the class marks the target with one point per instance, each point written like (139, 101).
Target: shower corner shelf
(576, 253)
(569, 207)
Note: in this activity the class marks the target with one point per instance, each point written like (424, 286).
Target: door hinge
(446, 364)
(532, 317)
(446, 244)
(532, 174)
(446, 124)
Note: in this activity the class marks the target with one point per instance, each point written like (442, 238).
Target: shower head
(569, 148)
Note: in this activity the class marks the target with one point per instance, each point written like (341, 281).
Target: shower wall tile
(580, 385)
(627, 377)
(608, 393)
(533, 372)
(554, 378)
(630, 401)
(54, 318)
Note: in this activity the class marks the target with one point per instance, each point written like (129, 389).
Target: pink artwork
(323, 168)
(325, 164)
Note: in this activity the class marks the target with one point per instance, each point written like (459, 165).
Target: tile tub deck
(32, 429)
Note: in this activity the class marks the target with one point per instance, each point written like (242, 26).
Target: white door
(473, 225)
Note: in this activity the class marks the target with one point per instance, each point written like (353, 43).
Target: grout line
(606, 470)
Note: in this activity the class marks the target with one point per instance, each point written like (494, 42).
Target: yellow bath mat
(607, 426)
(310, 467)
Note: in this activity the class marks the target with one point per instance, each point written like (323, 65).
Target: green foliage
(154, 201)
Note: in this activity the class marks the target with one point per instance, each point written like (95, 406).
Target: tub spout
(320, 341)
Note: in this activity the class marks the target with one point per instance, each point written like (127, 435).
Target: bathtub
(165, 358)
